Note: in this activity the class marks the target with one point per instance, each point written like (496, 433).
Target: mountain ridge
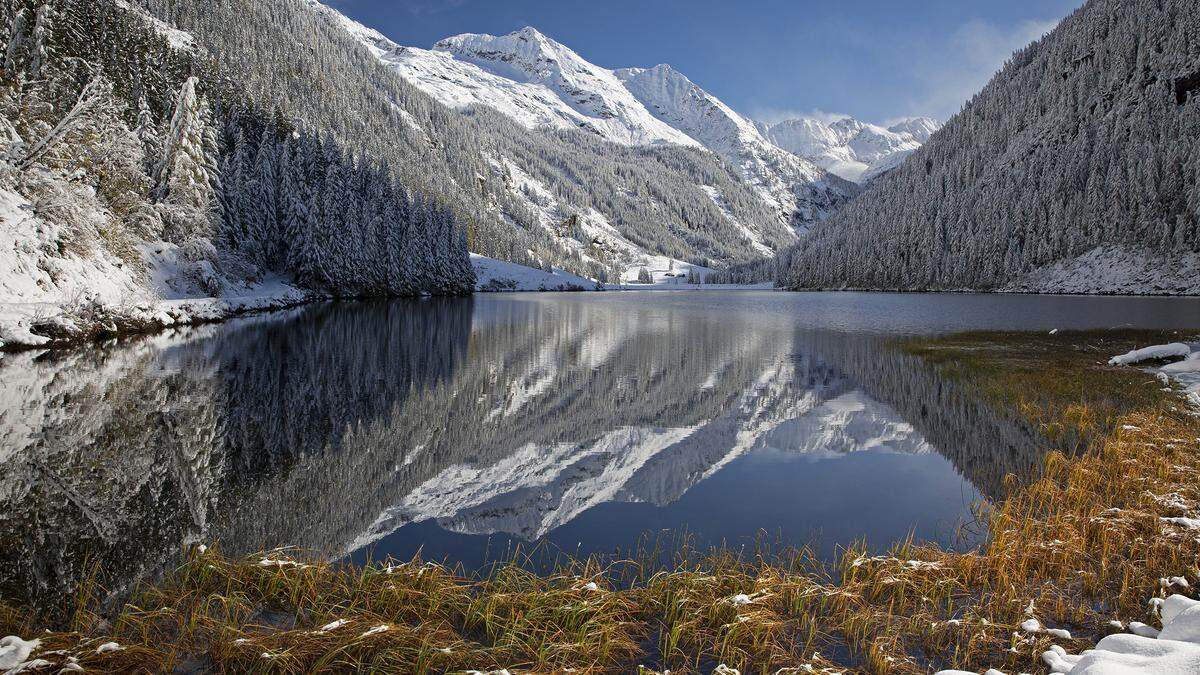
(855, 150)
(541, 83)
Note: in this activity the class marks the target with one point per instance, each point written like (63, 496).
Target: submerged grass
(1084, 545)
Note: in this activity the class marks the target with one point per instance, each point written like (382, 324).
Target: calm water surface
(461, 429)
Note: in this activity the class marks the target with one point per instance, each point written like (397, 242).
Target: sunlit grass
(1060, 382)
(1082, 545)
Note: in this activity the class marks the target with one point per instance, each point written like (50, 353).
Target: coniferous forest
(1087, 139)
(113, 118)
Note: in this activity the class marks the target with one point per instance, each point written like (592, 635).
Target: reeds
(1083, 545)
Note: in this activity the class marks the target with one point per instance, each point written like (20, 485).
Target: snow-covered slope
(497, 275)
(792, 184)
(849, 148)
(525, 75)
(592, 97)
(541, 83)
(67, 284)
(1116, 270)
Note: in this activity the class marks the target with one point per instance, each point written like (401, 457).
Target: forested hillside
(582, 204)
(135, 167)
(1076, 169)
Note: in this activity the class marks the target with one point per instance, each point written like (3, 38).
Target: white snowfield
(778, 175)
(1173, 651)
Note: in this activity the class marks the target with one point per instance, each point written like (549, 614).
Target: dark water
(461, 429)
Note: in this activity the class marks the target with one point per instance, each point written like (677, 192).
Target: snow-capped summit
(920, 128)
(792, 184)
(526, 69)
(852, 149)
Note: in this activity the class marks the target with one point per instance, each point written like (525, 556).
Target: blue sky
(874, 59)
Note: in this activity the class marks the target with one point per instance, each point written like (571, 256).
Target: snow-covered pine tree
(185, 176)
(40, 51)
(398, 242)
(149, 135)
(18, 39)
(263, 220)
(235, 169)
(293, 198)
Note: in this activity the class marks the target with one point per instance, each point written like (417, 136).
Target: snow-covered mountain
(543, 84)
(854, 150)
(528, 77)
(791, 183)
(920, 128)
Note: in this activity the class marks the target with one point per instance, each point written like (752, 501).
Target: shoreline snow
(73, 324)
(1144, 650)
(1183, 371)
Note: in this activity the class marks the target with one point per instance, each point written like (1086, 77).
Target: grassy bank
(1083, 546)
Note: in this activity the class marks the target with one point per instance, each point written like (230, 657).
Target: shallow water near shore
(463, 429)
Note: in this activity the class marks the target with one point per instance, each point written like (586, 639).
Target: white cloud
(974, 53)
(777, 115)
(893, 121)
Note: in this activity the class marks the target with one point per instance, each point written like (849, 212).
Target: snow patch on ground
(1173, 651)
(1175, 349)
(1118, 270)
(1176, 649)
(176, 38)
(14, 651)
(498, 275)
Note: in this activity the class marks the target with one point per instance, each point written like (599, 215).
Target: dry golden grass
(1083, 545)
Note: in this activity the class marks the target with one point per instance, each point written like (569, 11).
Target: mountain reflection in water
(458, 427)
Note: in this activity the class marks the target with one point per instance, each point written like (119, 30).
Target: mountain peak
(920, 128)
(850, 148)
(527, 49)
(530, 33)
